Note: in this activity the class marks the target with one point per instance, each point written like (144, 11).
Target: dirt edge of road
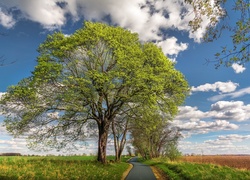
(124, 175)
(159, 174)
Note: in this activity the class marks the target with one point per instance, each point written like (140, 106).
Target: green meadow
(87, 168)
(197, 171)
(63, 168)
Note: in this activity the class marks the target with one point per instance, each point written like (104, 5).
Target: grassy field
(63, 168)
(180, 170)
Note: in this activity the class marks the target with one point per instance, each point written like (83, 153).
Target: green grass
(71, 167)
(193, 171)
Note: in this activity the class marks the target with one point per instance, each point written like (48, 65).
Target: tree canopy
(152, 133)
(95, 74)
(217, 13)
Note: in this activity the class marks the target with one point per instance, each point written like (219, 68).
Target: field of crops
(241, 162)
(76, 167)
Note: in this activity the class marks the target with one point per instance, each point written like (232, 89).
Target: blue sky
(215, 118)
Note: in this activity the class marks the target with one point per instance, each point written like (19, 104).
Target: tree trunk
(120, 152)
(115, 141)
(122, 144)
(102, 141)
(119, 143)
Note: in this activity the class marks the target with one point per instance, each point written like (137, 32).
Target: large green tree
(217, 11)
(92, 75)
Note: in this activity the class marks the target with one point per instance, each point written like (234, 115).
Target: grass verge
(63, 168)
(193, 171)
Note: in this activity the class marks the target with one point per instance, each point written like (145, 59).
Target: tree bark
(119, 143)
(102, 141)
(115, 141)
(122, 143)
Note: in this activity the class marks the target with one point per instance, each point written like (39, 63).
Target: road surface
(140, 171)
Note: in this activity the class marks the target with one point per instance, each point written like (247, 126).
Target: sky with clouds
(215, 119)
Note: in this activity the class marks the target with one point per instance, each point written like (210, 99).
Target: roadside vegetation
(65, 167)
(177, 170)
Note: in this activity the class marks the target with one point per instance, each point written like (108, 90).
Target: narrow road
(140, 171)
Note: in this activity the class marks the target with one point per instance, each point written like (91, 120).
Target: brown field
(235, 161)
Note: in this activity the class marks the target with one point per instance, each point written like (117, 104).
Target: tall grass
(59, 168)
(194, 171)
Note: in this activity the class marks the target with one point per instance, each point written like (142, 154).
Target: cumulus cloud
(233, 137)
(239, 93)
(148, 18)
(199, 33)
(45, 12)
(222, 87)
(191, 120)
(230, 110)
(203, 127)
(171, 47)
(238, 68)
(216, 146)
(6, 19)
(221, 110)
(227, 143)
(190, 113)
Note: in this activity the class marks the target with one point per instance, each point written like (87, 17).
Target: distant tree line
(10, 154)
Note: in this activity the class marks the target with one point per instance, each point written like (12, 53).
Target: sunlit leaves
(218, 15)
(96, 73)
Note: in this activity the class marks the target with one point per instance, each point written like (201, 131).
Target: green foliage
(151, 133)
(172, 151)
(96, 73)
(218, 15)
(75, 167)
(213, 12)
(192, 171)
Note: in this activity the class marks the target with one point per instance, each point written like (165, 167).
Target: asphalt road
(140, 171)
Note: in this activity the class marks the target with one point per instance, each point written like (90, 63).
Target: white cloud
(221, 110)
(216, 146)
(6, 20)
(221, 144)
(238, 68)
(45, 12)
(228, 143)
(230, 110)
(223, 87)
(233, 137)
(199, 33)
(190, 113)
(203, 127)
(147, 18)
(226, 105)
(171, 47)
(232, 95)
(194, 121)
(191, 120)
